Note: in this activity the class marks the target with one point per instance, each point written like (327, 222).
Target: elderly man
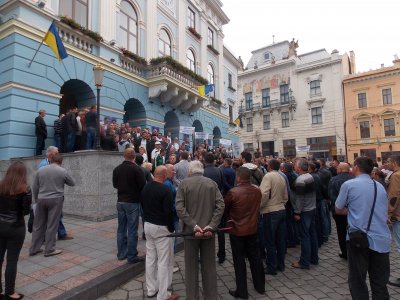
(128, 179)
(50, 152)
(157, 206)
(200, 206)
(335, 184)
(242, 207)
(48, 190)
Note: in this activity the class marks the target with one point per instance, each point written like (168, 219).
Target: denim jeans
(325, 220)
(70, 142)
(57, 141)
(127, 232)
(261, 235)
(61, 232)
(292, 231)
(396, 234)
(275, 241)
(90, 138)
(308, 237)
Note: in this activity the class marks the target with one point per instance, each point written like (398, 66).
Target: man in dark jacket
(319, 198)
(40, 131)
(242, 208)
(336, 182)
(215, 174)
(128, 179)
(324, 212)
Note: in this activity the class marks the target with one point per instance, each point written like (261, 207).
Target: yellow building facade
(372, 106)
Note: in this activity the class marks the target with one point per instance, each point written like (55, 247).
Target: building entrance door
(268, 148)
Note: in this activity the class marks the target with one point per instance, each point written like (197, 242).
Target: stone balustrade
(132, 66)
(75, 38)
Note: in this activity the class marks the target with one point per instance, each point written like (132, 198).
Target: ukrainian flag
(205, 89)
(54, 41)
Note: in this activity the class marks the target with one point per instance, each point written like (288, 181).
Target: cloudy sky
(370, 28)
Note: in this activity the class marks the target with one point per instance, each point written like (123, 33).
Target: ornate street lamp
(98, 72)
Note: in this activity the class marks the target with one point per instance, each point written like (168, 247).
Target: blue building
(156, 53)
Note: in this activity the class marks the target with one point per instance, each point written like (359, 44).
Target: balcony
(272, 105)
(75, 38)
(132, 66)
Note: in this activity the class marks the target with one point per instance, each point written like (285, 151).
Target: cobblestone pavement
(328, 280)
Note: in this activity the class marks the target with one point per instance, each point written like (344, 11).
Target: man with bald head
(129, 180)
(335, 183)
(158, 215)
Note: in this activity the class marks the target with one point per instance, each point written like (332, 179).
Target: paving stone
(119, 294)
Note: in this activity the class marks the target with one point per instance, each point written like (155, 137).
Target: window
(266, 56)
(128, 27)
(75, 9)
(267, 122)
(210, 74)
(248, 147)
(285, 119)
(387, 96)
(389, 127)
(164, 44)
(316, 114)
(284, 88)
(371, 153)
(190, 60)
(210, 37)
(362, 100)
(230, 114)
(191, 18)
(230, 80)
(364, 130)
(249, 124)
(289, 148)
(315, 88)
(266, 99)
(249, 100)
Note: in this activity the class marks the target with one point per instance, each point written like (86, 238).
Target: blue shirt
(358, 195)
(168, 182)
(43, 163)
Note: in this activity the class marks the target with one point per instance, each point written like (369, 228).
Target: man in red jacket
(242, 209)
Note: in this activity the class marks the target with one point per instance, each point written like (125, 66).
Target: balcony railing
(75, 38)
(166, 69)
(132, 66)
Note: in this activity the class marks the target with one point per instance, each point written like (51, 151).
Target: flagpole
(29, 65)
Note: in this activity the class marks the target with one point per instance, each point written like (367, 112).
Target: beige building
(372, 102)
(292, 105)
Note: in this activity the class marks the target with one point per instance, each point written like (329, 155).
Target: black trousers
(11, 241)
(221, 254)
(39, 145)
(378, 267)
(341, 227)
(242, 247)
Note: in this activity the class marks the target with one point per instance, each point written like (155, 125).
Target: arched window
(190, 60)
(210, 74)
(128, 27)
(164, 44)
(75, 9)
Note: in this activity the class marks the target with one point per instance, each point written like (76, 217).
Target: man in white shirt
(156, 151)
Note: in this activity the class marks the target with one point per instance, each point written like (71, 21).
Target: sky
(370, 28)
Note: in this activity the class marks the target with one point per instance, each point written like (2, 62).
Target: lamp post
(98, 72)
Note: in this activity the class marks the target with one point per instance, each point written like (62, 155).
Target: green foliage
(73, 24)
(134, 56)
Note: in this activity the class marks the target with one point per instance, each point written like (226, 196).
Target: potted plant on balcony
(133, 56)
(73, 24)
(178, 67)
(194, 32)
(215, 51)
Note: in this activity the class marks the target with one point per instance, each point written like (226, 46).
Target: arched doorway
(171, 124)
(216, 136)
(198, 127)
(135, 113)
(76, 93)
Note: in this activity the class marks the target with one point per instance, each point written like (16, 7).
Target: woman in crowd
(15, 203)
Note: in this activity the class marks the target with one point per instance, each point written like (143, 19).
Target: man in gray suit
(200, 206)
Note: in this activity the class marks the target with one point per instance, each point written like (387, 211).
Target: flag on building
(239, 122)
(205, 89)
(54, 41)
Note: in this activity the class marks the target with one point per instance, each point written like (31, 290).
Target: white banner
(303, 148)
(225, 142)
(186, 130)
(237, 146)
(201, 135)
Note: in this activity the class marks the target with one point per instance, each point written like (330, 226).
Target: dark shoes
(7, 297)
(341, 255)
(221, 260)
(268, 272)
(37, 252)
(66, 238)
(136, 260)
(394, 282)
(297, 265)
(236, 295)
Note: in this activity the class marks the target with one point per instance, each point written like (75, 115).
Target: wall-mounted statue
(293, 45)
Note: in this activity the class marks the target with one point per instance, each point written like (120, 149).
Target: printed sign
(303, 148)
(201, 135)
(186, 130)
(225, 142)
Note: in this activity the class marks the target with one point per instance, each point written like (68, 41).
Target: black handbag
(359, 239)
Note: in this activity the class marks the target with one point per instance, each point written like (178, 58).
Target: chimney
(396, 61)
(382, 65)
(352, 59)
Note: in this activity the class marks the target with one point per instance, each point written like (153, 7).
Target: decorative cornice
(112, 110)
(11, 85)
(389, 73)
(213, 112)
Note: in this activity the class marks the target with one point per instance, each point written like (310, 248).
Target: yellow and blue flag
(239, 122)
(54, 41)
(205, 89)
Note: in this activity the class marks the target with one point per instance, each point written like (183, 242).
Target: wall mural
(265, 83)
